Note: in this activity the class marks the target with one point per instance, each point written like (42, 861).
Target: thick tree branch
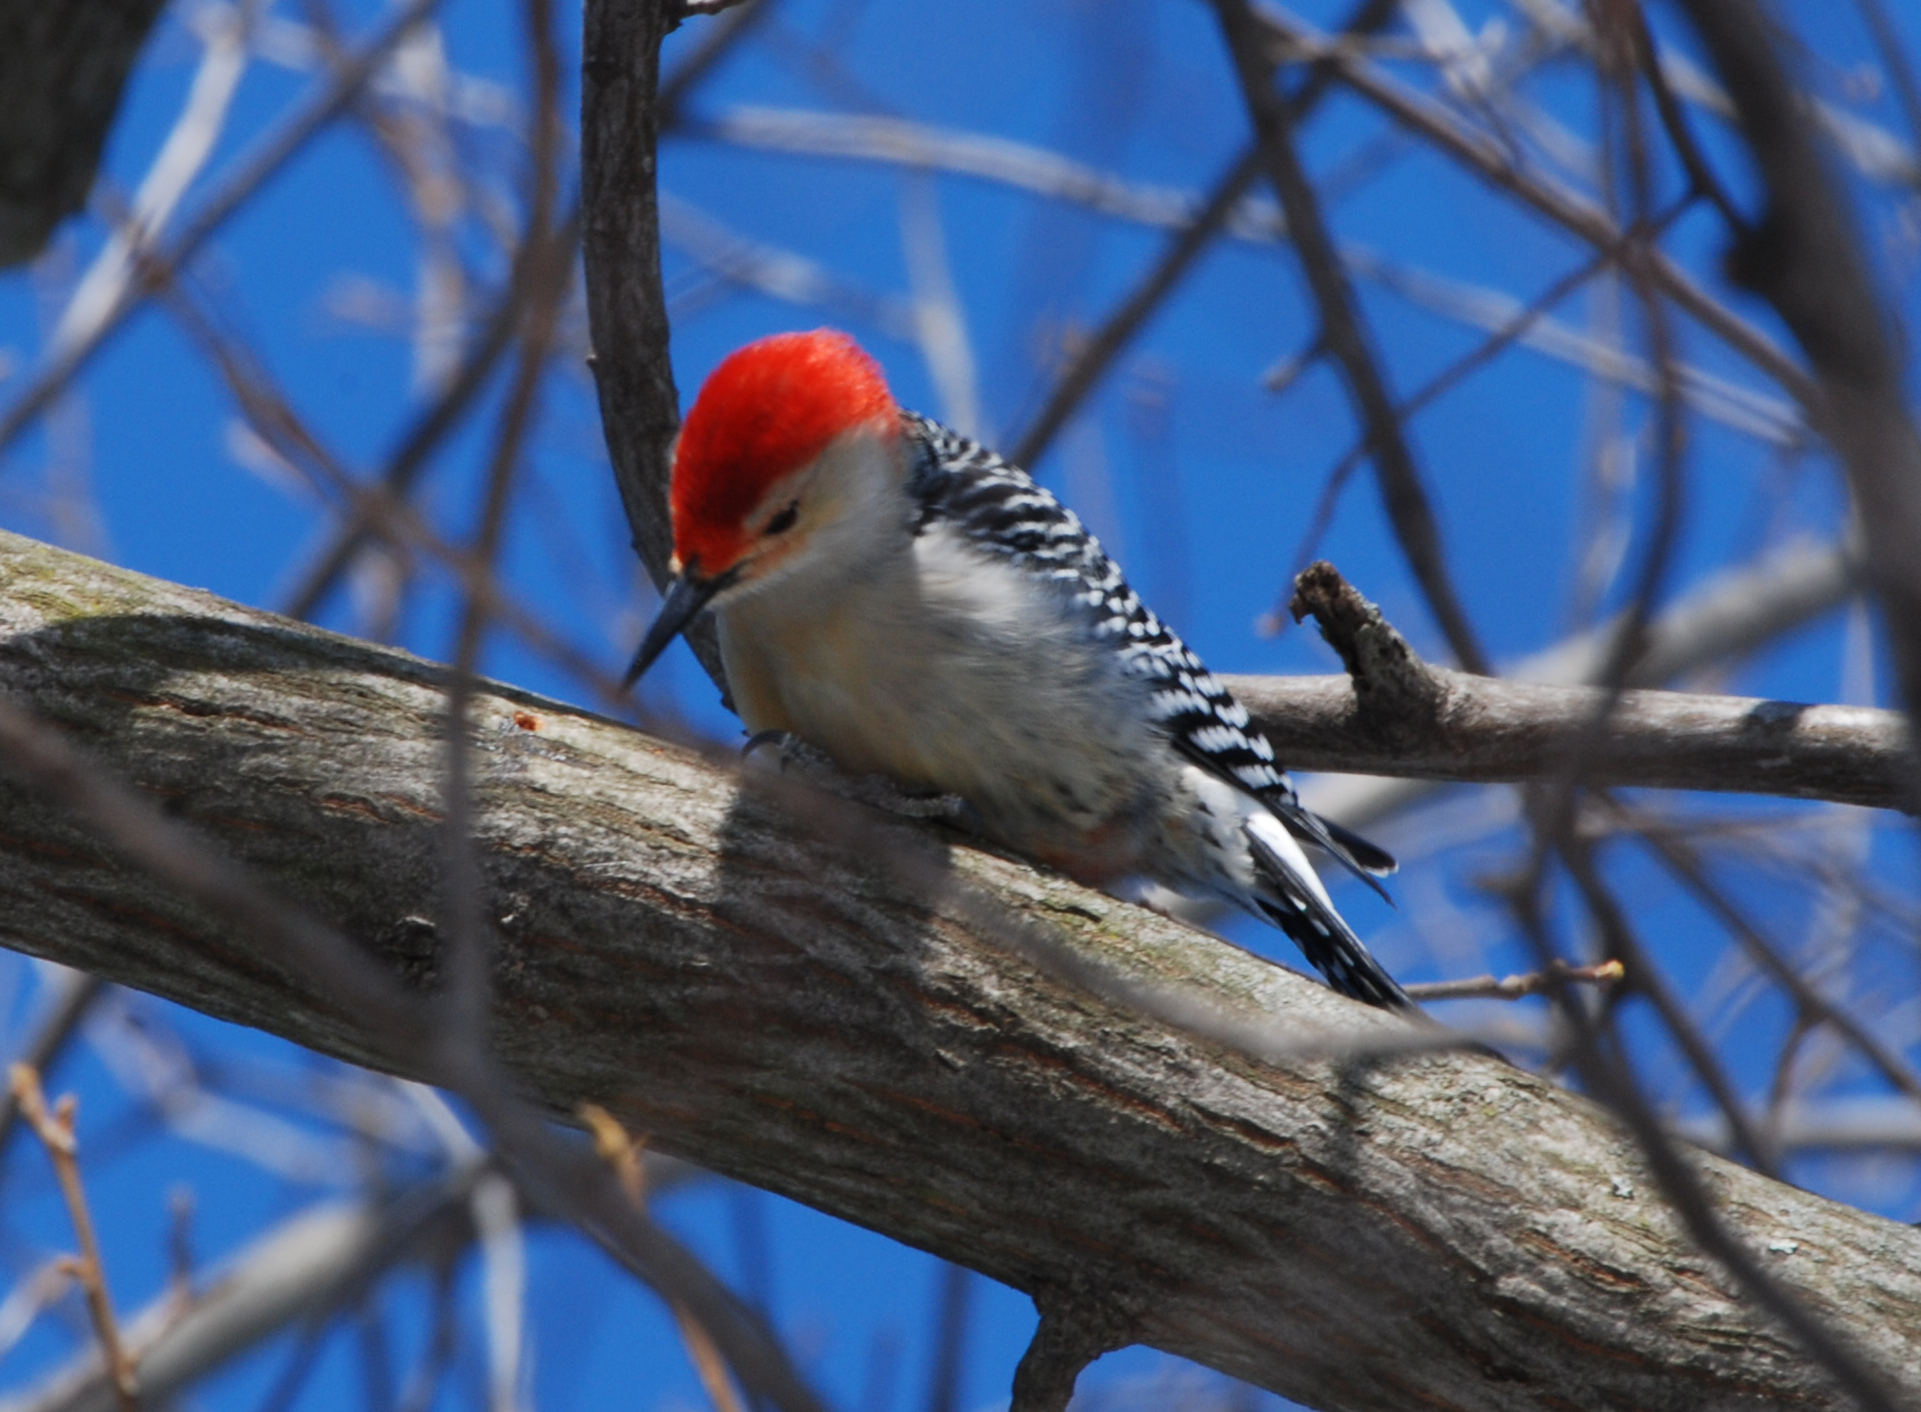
(1418, 720)
(1491, 730)
(920, 1038)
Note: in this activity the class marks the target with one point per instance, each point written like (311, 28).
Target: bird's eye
(784, 521)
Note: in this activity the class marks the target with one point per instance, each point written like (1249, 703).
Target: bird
(904, 600)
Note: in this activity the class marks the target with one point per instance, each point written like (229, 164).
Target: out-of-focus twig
(1895, 62)
(618, 1149)
(310, 1264)
(55, 1130)
(1681, 861)
(428, 431)
(252, 172)
(1519, 986)
(57, 1024)
(1803, 256)
(1092, 356)
(1488, 159)
(551, 267)
(1346, 337)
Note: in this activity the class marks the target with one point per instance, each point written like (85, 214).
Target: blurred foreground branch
(724, 976)
(303, 1268)
(62, 68)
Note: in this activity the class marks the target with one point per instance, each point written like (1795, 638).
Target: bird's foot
(816, 767)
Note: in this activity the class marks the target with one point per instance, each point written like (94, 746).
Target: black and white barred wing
(1000, 509)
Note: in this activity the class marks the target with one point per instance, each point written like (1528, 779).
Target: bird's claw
(819, 769)
(761, 738)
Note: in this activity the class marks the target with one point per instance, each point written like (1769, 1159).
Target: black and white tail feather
(1000, 510)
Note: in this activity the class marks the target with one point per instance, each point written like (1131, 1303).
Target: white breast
(949, 669)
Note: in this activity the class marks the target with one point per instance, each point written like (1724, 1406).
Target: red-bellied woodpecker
(906, 601)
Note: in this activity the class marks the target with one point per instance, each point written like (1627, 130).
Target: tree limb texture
(1489, 730)
(1353, 1229)
(620, 258)
(1429, 722)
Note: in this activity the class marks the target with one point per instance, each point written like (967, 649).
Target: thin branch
(1816, 1007)
(251, 173)
(1618, 937)
(626, 307)
(1805, 258)
(616, 1147)
(1521, 986)
(1899, 71)
(1347, 339)
(717, 41)
(319, 1260)
(57, 1023)
(1674, 119)
(411, 454)
(1092, 356)
(1487, 159)
(55, 1130)
(1725, 617)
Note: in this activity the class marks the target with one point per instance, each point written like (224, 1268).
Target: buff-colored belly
(1036, 729)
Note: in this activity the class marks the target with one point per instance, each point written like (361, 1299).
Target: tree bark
(1489, 731)
(926, 1039)
(620, 256)
(62, 68)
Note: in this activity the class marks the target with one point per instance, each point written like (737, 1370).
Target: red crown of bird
(767, 410)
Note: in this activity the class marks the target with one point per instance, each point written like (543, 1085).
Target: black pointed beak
(686, 596)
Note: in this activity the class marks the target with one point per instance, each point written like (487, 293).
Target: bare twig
(252, 172)
(318, 1260)
(55, 1130)
(1520, 986)
(1488, 159)
(1725, 617)
(57, 1023)
(617, 1148)
(1803, 256)
(1347, 339)
(1395, 714)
